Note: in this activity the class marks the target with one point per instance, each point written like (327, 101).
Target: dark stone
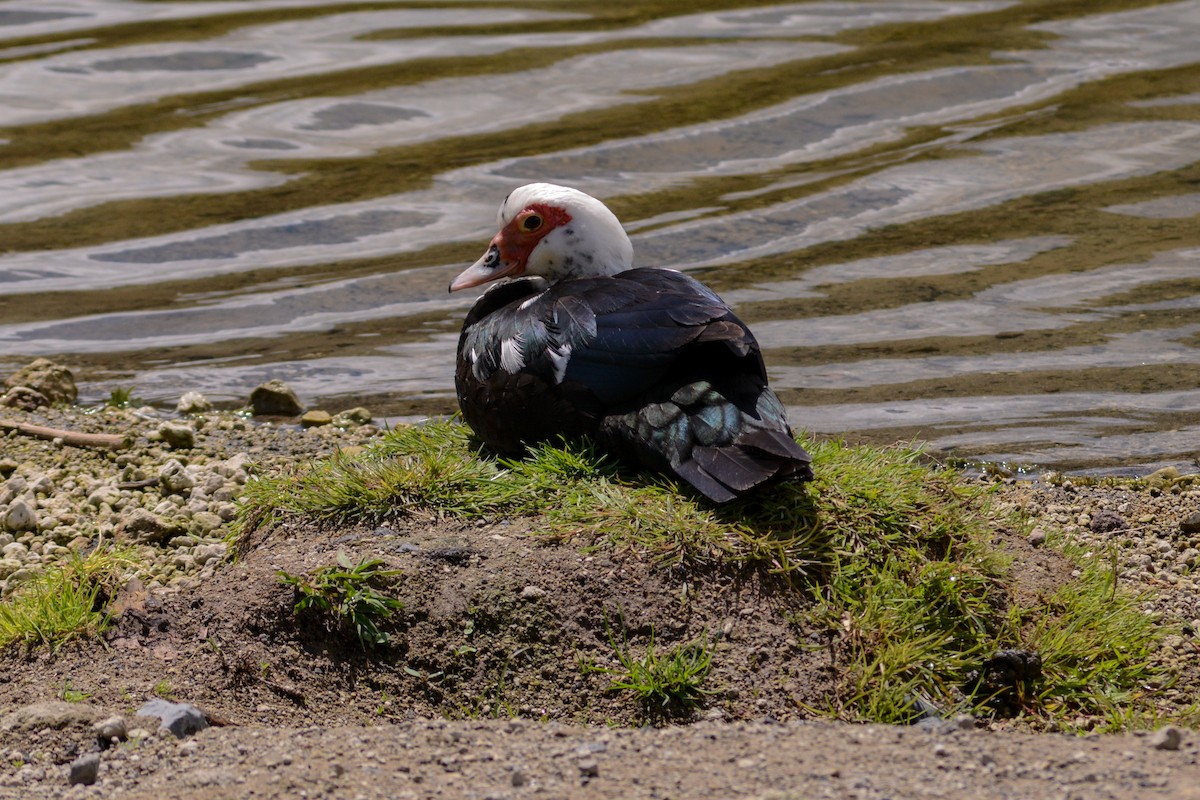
(1190, 523)
(24, 398)
(144, 527)
(451, 555)
(1107, 522)
(275, 399)
(85, 769)
(1006, 679)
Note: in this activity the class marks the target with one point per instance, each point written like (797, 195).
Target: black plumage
(649, 362)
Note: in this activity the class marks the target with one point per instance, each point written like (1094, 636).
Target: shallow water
(970, 223)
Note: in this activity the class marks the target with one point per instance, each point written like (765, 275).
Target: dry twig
(110, 441)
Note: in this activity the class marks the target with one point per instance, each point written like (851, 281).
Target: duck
(647, 362)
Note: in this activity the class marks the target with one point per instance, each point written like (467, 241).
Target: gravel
(171, 495)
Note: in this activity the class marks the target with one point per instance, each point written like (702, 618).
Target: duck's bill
(489, 268)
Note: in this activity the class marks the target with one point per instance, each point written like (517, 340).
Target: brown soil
(493, 686)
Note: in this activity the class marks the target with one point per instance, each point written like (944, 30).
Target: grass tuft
(666, 683)
(62, 603)
(342, 593)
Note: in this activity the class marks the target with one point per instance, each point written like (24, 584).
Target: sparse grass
(1096, 644)
(667, 682)
(889, 553)
(72, 695)
(343, 594)
(435, 469)
(164, 689)
(123, 397)
(63, 602)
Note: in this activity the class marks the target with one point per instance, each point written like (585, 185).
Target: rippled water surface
(970, 223)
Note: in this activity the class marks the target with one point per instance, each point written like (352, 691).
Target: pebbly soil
(494, 682)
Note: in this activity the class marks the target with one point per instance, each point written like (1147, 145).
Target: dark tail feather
(763, 456)
(704, 483)
(737, 467)
(794, 461)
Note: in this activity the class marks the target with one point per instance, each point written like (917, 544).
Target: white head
(554, 232)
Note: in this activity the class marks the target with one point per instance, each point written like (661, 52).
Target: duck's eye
(531, 223)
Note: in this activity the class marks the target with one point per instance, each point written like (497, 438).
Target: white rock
(20, 517)
(175, 479)
(210, 552)
(193, 403)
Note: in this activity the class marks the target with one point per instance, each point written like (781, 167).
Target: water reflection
(962, 246)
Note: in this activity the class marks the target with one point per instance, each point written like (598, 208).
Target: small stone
(181, 719)
(7, 467)
(85, 770)
(1037, 537)
(316, 418)
(588, 768)
(206, 521)
(177, 436)
(20, 517)
(110, 730)
(519, 777)
(275, 398)
(24, 398)
(352, 417)
(210, 552)
(144, 527)
(53, 381)
(1190, 523)
(532, 593)
(964, 722)
(1107, 522)
(1167, 737)
(193, 403)
(42, 484)
(174, 479)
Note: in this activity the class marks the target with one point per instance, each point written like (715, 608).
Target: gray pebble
(175, 479)
(177, 436)
(181, 719)
(85, 769)
(20, 517)
(1190, 523)
(1167, 737)
(143, 527)
(532, 593)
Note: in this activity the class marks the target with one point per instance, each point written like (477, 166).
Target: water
(968, 223)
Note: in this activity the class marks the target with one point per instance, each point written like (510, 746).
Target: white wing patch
(559, 356)
(511, 359)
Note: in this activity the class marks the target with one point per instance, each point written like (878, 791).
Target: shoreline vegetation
(891, 590)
